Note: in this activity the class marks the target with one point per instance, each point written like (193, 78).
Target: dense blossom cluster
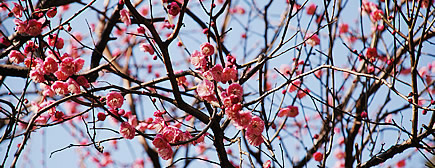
(215, 82)
(167, 134)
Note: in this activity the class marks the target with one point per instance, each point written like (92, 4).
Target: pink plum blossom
(73, 86)
(49, 66)
(60, 88)
(205, 89)
(318, 156)
(37, 76)
(243, 120)
(229, 73)
(125, 16)
(371, 53)
(17, 10)
(207, 49)
(146, 47)
(55, 41)
(163, 148)
(343, 28)
(21, 26)
(294, 86)
(114, 100)
(256, 126)
(235, 89)
(16, 57)
(127, 131)
(52, 12)
(173, 9)
(311, 9)
(217, 72)
(254, 139)
(376, 15)
(290, 111)
(34, 27)
(312, 39)
(198, 60)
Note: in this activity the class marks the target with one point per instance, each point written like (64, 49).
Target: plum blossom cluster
(32, 26)
(231, 97)
(62, 68)
(167, 134)
(373, 10)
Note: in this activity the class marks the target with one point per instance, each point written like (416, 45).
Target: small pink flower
(229, 74)
(207, 49)
(52, 12)
(370, 69)
(312, 39)
(114, 100)
(30, 47)
(55, 41)
(60, 88)
(401, 163)
(140, 30)
(371, 53)
(302, 93)
(294, 86)
(78, 64)
(16, 57)
(311, 10)
(318, 73)
(34, 27)
(60, 75)
(376, 15)
(343, 28)
(173, 9)
(159, 113)
(205, 89)
(238, 10)
(425, 3)
(233, 111)
(73, 86)
(145, 47)
(290, 111)
(49, 66)
(165, 153)
(235, 89)
(37, 76)
(254, 139)
(182, 80)
(67, 66)
(160, 142)
(17, 10)
(46, 90)
(70, 66)
(5, 41)
(21, 26)
(163, 148)
(243, 120)
(318, 156)
(125, 16)
(132, 120)
(368, 6)
(198, 60)
(217, 72)
(127, 131)
(256, 126)
(172, 134)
